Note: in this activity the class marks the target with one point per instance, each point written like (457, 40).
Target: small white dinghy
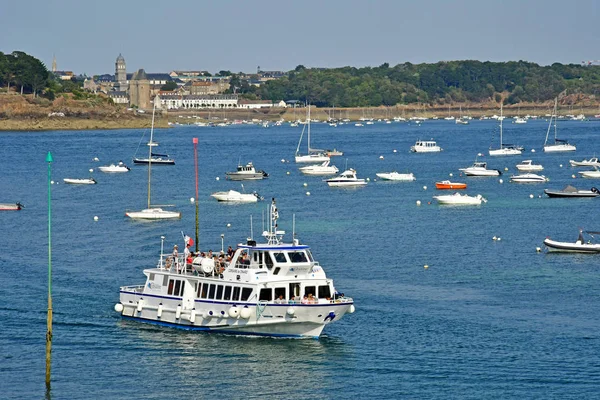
(80, 181)
(528, 178)
(458, 199)
(595, 173)
(580, 246)
(396, 176)
(592, 162)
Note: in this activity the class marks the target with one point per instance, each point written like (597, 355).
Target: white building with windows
(177, 101)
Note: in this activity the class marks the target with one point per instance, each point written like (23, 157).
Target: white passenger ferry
(271, 289)
(425, 146)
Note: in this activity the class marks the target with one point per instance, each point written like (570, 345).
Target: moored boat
(346, 179)
(442, 185)
(80, 181)
(425, 146)
(114, 168)
(233, 196)
(528, 165)
(245, 173)
(11, 206)
(320, 169)
(396, 176)
(479, 168)
(580, 246)
(273, 289)
(592, 162)
(458, 199)
(570, 191)
(595, 173)
(528, 178)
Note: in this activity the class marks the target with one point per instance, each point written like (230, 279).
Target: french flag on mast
(187, 240)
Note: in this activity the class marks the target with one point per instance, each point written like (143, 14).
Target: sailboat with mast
(505, 149)
(152, 212)
(313, 155)
(558, 145)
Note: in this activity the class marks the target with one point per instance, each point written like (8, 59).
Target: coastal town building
(139, 90)
(90, 85)
(120, 74)
(171, 101)
(242, 103)
(119, 97)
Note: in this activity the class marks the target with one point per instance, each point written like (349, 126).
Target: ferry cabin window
(211, 291)
(279, 291)
(246, 292)
(227, 295)
(294, 291)
(204, 290)
(310, 257)
(182, 287)
(324, 292)
(297, 256)
(236, 293)
(279, 257)
(170, 290)
(276, 271)
(310, 290)
(268, 261)
(151, 277)
(165, 280)
(219, 292)
(177, 287)
(266, 294)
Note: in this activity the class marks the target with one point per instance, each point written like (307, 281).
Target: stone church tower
(139, 90)
(120, 74)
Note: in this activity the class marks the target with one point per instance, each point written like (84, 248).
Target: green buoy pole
(49, 320)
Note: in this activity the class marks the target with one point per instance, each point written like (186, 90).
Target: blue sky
(160, 36)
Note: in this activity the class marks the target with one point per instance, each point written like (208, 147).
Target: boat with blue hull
(270, 289)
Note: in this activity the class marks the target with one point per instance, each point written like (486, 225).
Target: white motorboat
(528, 165)
(504, 149)
(114, 168)
(246, 173)
(152, 212)
(425, 146)
(519, 120)
(313, 155)
(80, 181)
(320, 169)
(593, 174)
(558, 145)
(11, 206)
(346, 179)
(528, 178)
(570, 191)
(580, 246)
(272, 289)
(233, 196)
(479, 168)
(592, 162)
(459, 199)
(396, 176)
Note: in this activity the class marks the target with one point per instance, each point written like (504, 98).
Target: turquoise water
(487, 319)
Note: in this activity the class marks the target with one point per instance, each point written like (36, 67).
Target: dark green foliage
(441, 83)
(169, 86)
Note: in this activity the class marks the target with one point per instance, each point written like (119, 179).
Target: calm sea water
(487, 319)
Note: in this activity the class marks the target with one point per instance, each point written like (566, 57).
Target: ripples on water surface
(487, 319)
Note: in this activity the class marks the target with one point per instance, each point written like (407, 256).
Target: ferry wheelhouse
(270, 289)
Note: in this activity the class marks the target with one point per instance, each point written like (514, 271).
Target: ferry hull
(274, 320)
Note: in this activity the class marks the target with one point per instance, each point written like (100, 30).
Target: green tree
(170, 85)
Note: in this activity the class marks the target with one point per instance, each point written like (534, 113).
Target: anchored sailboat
(313, 155)
(505, 149)
(558, 145)
(152, 212)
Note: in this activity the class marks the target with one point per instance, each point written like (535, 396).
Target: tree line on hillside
(28, 75)
(439, 83)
